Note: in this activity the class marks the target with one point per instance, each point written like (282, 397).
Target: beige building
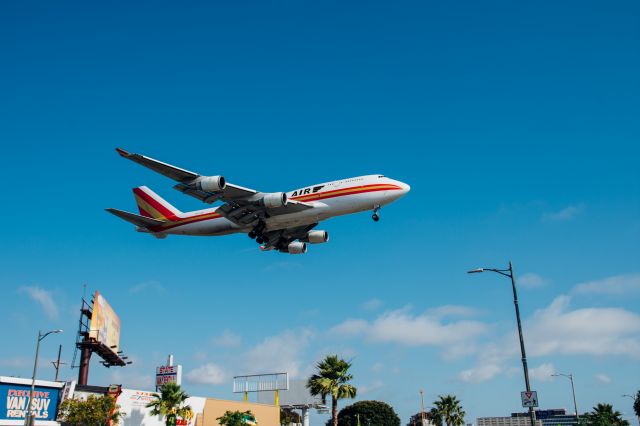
(266, 415)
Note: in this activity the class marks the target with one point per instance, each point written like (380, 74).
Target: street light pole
(573, 391)
(509, 273)
(422, 398)
(29, 419)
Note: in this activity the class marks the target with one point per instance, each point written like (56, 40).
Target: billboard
(14, 402)
(105, 324)
(168, 374)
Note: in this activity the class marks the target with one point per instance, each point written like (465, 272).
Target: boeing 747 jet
(283, 221)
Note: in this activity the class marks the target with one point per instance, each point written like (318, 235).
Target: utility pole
(57, 364)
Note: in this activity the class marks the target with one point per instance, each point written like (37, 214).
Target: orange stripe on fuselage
(346, 191)
(179, 221)
(309, 197)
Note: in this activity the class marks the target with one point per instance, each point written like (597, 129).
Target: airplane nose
(405, 188)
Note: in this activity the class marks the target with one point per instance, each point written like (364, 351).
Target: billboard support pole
(83, 373)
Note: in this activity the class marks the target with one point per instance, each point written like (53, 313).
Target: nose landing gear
(376, 216)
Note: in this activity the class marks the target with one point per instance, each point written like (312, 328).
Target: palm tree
(332, 378)
(449, 410)
(434, 417)
(170, 404)
(604, 415)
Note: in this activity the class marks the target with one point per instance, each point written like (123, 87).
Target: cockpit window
(381, 176)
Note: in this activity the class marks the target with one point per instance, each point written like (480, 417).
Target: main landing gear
(376, 216)
(257, 233)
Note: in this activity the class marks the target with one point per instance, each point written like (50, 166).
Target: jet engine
(297, 247)
(274, 200)
(317, 237)
(211, 183)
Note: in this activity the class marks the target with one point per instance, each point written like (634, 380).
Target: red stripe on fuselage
(354, 190)
(187, 220)
(322, 195)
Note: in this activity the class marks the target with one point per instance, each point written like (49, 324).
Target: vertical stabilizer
(152, 205)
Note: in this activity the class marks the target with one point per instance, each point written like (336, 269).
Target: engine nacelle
(274, 200)
(211, 183)
(317, 237)
(297, 247)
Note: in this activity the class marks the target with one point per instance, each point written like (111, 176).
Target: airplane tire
(375, 217)
(252, 235)
(259, 240)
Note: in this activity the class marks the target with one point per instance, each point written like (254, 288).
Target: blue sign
(14, 402)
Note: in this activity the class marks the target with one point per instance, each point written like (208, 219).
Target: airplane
(282, 221)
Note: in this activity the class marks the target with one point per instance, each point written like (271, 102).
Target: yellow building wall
(266, 415)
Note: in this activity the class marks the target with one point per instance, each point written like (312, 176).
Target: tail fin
(153, 206)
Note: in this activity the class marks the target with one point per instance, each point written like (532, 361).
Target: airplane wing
(188, 180)
(243, 206)
(280, 239)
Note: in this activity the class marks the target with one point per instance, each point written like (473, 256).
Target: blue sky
(516, 125)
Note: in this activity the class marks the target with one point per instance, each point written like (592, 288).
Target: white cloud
(452, 311)
(279, 353)
(480, 373)
(603, 378)
(207, 374)
(148, 286)
(531, 280)
(377, 367)
(456, 338)
(364, 389)
(542, 373)
(589, 331)
(619, 285)
(227, 339)
(350, 327)
(44, 298)
(565, 214)
(405, 329)
(557, 329)
(16, 362)
(372, 304)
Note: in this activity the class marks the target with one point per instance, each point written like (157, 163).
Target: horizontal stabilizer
(141, 221)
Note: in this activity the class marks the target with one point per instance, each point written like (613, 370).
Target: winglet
(122, 152)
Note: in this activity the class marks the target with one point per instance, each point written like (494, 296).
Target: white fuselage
(328, 199)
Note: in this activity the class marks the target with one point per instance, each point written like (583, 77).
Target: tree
(170, 404)
(636, 404)
(332, 378)
(94, 411)
(449, 410)
(435, 417)
(604, 415)
(288, 416)
(237, 418)
(370, 413)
